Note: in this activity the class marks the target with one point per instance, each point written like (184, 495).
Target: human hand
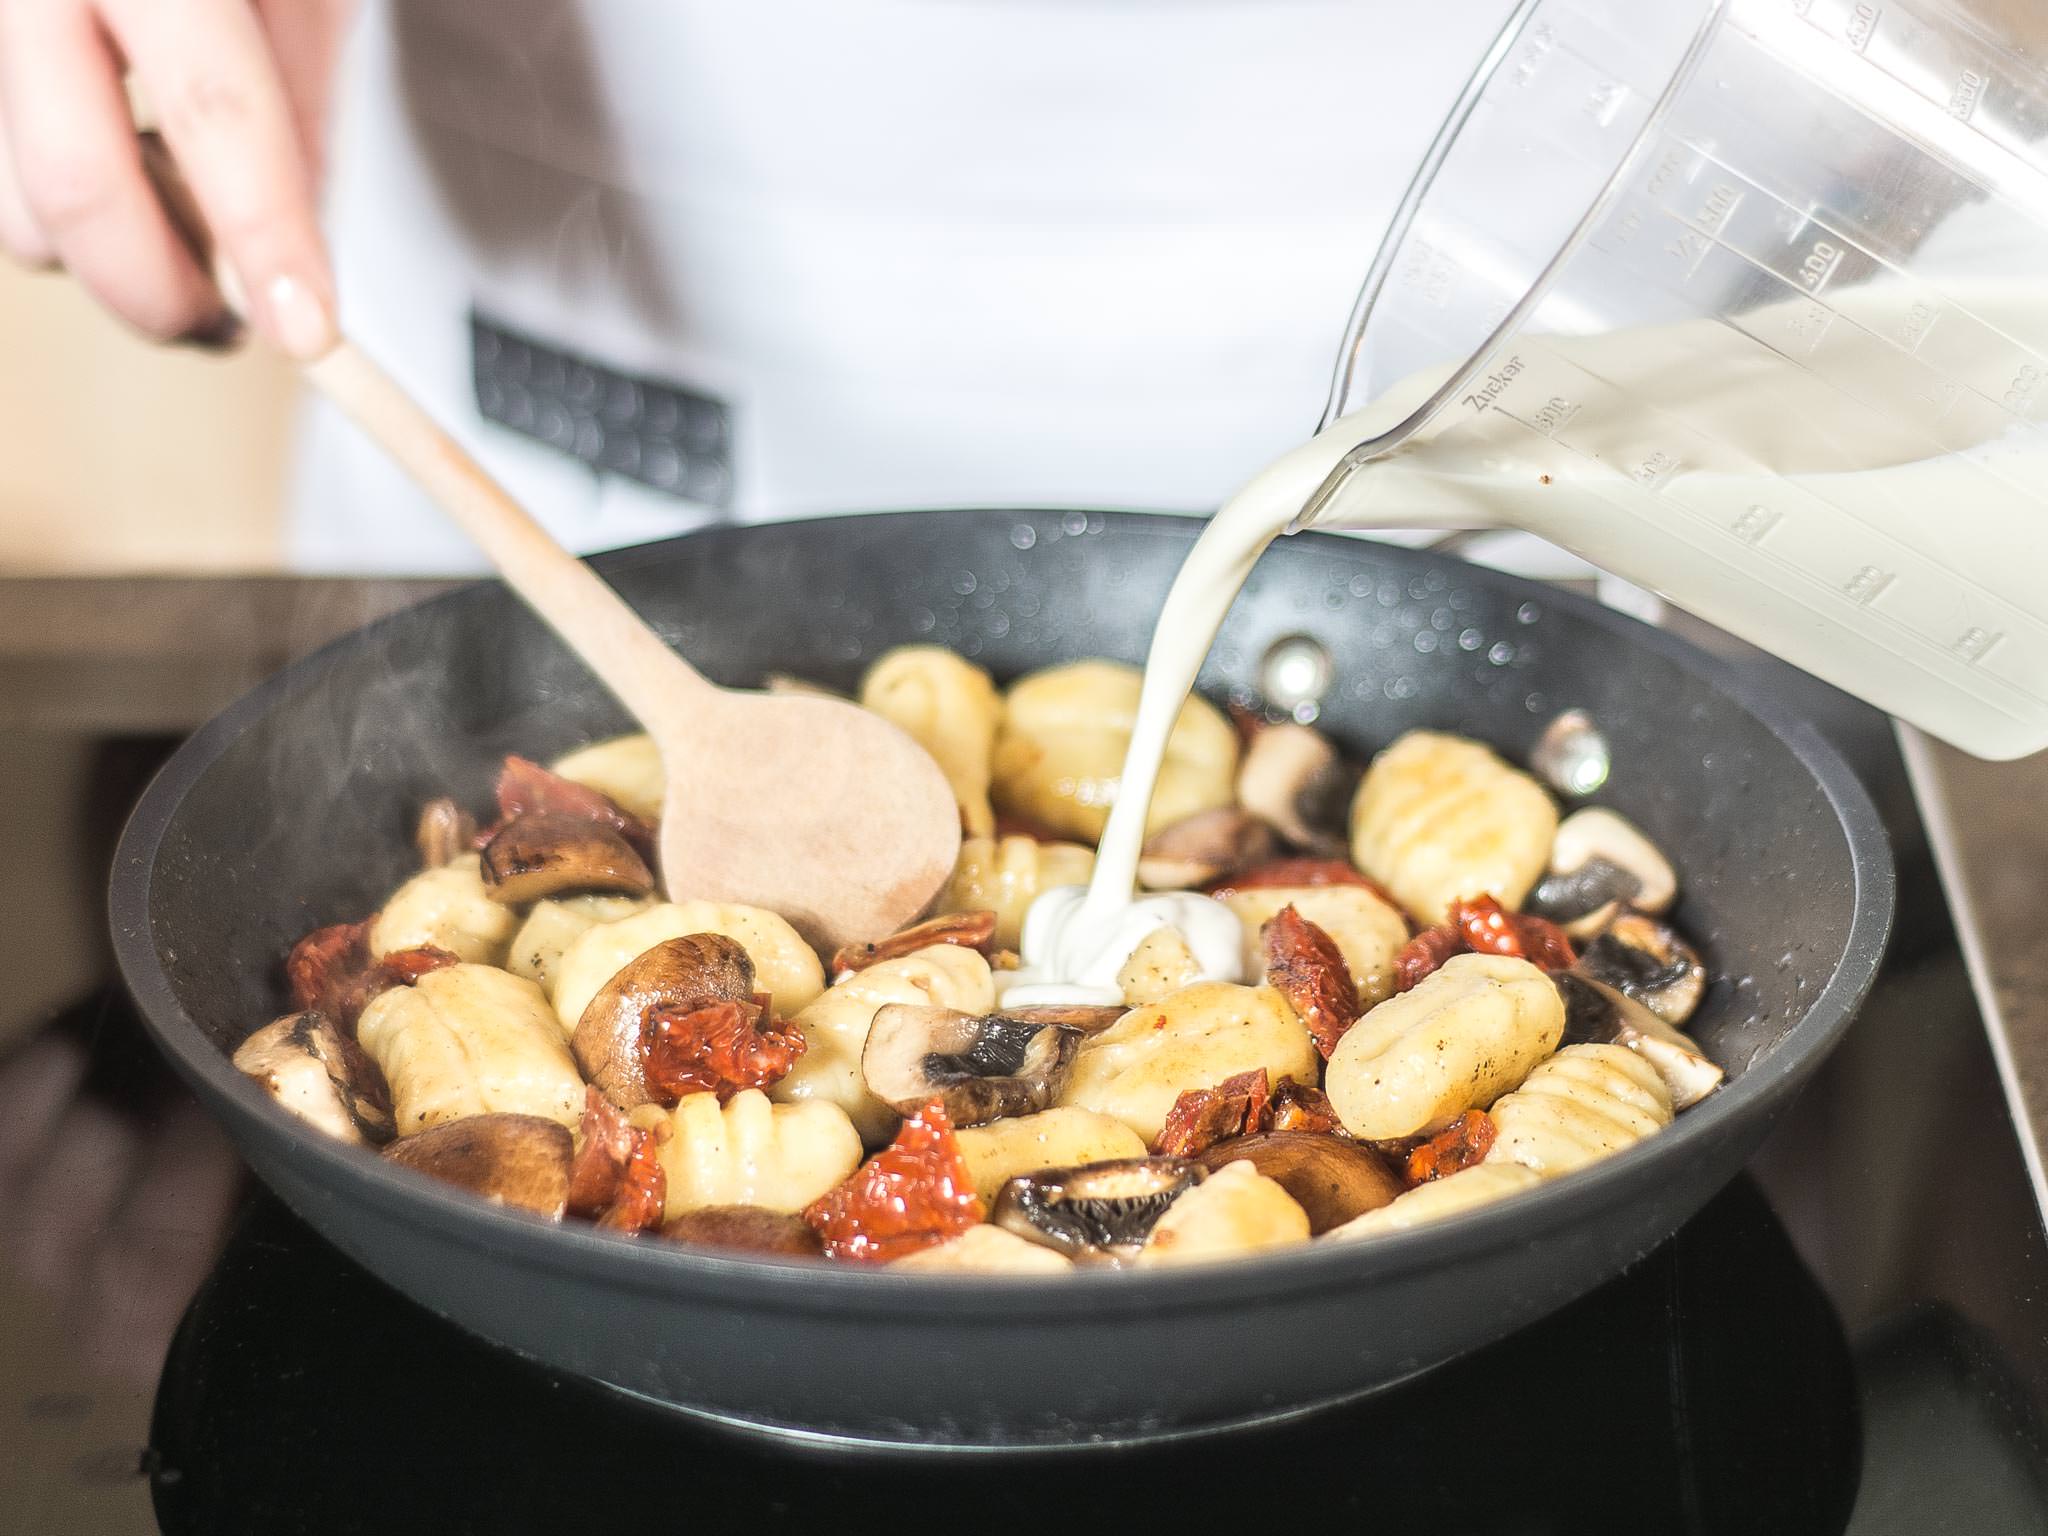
(240, 90)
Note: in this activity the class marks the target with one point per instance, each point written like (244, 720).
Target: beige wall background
(119, 456)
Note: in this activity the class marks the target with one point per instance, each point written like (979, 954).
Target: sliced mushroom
(548, 853)
(1329, 1177)
(1294, 779)
(684, 974)
(519, 1160)
(1099, 1211)
(1204, 847)
(982, 1068)
(1599, 862)
(1597, 1014)
(445, 833)
(316, 1072)
(746, 1228)
(1648, 961)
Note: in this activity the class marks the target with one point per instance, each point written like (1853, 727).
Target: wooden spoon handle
(636, 664)
(631, 660)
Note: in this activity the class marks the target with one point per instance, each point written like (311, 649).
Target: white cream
(1071, 958)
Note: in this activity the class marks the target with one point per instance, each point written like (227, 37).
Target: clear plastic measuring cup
(1747, 302)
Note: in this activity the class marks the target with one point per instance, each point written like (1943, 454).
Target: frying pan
(294, 808)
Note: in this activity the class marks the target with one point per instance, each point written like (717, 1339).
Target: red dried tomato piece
(1425, 952)
(719, 1047)
(643, 1188)
(1201, 1117)
(1464, 1142)
(970, 930)
(617, 1179)
(1305, 966)
(524, 786)
(1301, 871)
(403, 967)
(1298, 1107)
(913, 1194)
(1491, 929)
(325, 966)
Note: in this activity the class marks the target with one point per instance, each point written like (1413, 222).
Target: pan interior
(305, 816)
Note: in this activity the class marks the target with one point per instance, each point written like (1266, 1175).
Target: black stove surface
(1853, 1336)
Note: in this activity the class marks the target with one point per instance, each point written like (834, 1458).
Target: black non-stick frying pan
(294, 809)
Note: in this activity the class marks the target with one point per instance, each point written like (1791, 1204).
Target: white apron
(893, 253)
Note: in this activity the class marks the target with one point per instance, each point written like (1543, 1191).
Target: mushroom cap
(520, 1160)
(1648, 961)
(549, 853)
(1204, 847)
(746, 1228)
(685, 974)
(1599, 1014)
(1332, 1178)
(1294, 779)
(982, 1067)
(1102, 1211)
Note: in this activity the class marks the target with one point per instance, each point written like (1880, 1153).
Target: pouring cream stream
(1755, 433)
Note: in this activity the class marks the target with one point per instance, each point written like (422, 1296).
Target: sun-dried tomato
(721, 1047)
(403, 967)
(1490, 929)
(325, 967)
(913, 1194)
(1305, 966)
(1464, 1142)
(525, 786)
(1425, 952)
(970, 930)
(1201, 1117)
(617, 1179)
(643, 1188)
(1298, 1107)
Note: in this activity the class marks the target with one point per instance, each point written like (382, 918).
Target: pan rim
(755, 1284)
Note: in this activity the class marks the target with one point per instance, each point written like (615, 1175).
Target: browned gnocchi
(1433, 1001)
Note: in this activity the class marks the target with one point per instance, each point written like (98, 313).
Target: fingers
(306, 39)
(208, 70)
(20, 236)
(80, 174)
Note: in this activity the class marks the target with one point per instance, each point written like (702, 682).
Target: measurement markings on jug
(1865, 585)
(1962, 99)
(1975, 641)
(1862, 25)
(1819, 265)
(1754, 524)
(1495, 384)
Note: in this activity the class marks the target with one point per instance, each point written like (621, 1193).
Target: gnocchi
(551, 926)
(835, 1026)
(470, 1040)
(780, 1157)
(1061, 751)
(1367, 932)
(1235, 1210)
(1438, 818)
(720, 1093)
(446, 908)
(785, 966)
(1053, 1138)
(1458, 1041)
(988, 1250)
(950, 708)
(1006, 874)
(1193, 1038)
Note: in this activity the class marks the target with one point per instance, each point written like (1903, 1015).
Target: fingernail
(214, 335)
(298, 321)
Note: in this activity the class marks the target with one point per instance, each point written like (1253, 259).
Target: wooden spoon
(809, 806)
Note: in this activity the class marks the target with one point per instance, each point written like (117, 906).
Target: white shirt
(928, 252)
